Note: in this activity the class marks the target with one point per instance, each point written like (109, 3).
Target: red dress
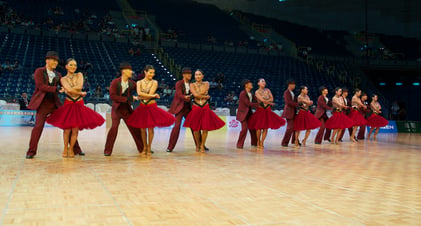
(149, 116)
(203, 118)
(339, 121)
(75, 115)
(357, 118)
(304, 120)
(265, 118)
(376, 121)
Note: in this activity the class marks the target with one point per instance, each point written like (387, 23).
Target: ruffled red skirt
(376, 120)
(149, 116)
(357, 118)
(339, 121)
(75, 115)
(203, 118)
(265, 119)
(305, 121)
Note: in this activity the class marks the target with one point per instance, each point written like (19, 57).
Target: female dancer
(375, 121)
(355, 114)
(201, 119)
(148, 115)
(304, 120)
(73, 115)
(264, 118)
(338, 122)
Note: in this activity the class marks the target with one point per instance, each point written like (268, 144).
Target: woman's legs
(259, 141)
(196, 137)
(150, 138)
(305, 138)
(66, 139)
(73, 139)
(375, 133)
(354, 130)
(203, 142)
(143, 135)
(332, 139)
(297, 135)
(264, 134)
(369, 133)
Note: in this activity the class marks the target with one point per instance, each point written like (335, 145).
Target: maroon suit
(361, 133)
(243, 114)
(289, 113)
(321, 109)
(121, 109)
(45, 101)
(180, 107)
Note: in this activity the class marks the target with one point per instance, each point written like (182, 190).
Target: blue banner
(17, 118)
(390, 128)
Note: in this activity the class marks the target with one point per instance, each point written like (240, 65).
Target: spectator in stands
(213, 84)
(98, 92)
(167, 92)
(131, 52)
(23, 102)
(138, 52)
(6, 66)
(234, 98)
(229, 99)
(402, 112)
(162, 84)
(220, 77)
(16, 66)
(394, 111)
(220, 86)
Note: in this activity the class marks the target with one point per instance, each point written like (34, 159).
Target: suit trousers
(289, 133)
(123, 112)
(243, 134)
(322, 129)
(175, 132)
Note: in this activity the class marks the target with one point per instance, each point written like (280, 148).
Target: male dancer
(365, 112)
(289, 112)
(322, 107)
(180, 106)
(246, 102)
(45, 100)
(121, 93)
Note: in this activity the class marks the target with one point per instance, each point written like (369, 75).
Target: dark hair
(356, 90)
(69, 59)
(337, 89)
(372, 95)
(290, 81)
(258, 80)
(301, 89)
(321, 88)
(200, 71)
(344, 89)
(363, 94)
(148, 67)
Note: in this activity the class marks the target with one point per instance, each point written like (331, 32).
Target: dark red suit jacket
(42, 88)
(290, 105)
(115, 93)
(244, 105)
(179, 98)
(322, 107)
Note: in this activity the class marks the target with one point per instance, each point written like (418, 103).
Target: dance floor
(367, 183)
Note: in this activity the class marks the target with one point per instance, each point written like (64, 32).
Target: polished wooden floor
(348, 184)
